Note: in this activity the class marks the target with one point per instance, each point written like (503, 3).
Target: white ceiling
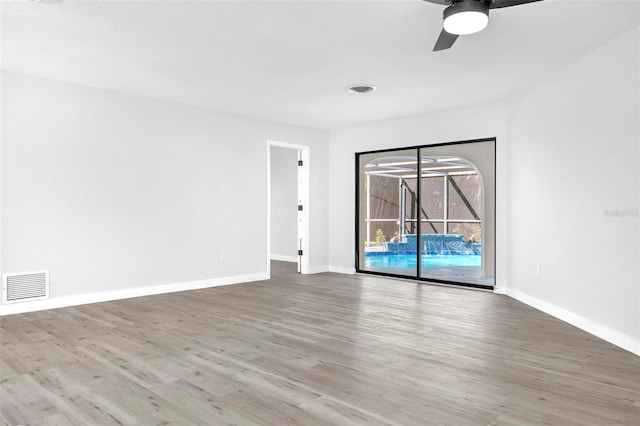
(290, 61)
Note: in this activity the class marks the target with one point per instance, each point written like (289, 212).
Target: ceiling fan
(463, 17)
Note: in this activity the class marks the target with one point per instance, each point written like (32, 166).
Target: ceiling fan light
(464, 23)
(466, 17)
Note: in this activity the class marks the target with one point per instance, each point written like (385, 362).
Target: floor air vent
(25, 287)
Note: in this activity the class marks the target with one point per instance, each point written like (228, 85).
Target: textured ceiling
(290, 61)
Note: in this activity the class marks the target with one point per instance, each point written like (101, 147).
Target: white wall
(573, 159)
(472, 123)
(112, 191)
(284, 203)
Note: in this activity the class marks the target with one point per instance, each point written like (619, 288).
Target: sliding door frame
(418, 149)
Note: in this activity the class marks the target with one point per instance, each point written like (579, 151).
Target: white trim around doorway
(303, 195)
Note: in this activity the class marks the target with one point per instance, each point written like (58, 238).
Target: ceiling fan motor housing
(467, 6)
(466, 16)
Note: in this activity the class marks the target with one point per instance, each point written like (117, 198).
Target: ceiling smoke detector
(360, 89)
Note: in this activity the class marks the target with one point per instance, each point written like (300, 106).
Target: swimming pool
(408, 260)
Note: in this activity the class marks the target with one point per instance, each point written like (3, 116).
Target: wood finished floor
(312, 350)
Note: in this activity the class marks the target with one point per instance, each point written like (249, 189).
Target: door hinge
(300, 163)
(299, 252)
(300, 208)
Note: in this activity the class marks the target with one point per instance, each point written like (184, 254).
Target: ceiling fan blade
(445, 41)
(440, 2)
(497, 4)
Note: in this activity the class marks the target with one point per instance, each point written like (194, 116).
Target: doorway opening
(288, 204)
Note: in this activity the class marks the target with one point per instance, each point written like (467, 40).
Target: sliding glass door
(388, 211)
(428, 213)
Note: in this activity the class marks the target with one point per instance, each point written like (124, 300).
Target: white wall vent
(25, 287)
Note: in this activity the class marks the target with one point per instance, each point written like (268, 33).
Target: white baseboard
(105, 296)
(338, 270)
(615, 337)
(342, 270)
(284, 258)
(318, 269)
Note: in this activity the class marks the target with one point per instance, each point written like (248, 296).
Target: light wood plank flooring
(312, 350)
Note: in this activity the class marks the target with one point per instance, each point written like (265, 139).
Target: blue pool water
(428, 261)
